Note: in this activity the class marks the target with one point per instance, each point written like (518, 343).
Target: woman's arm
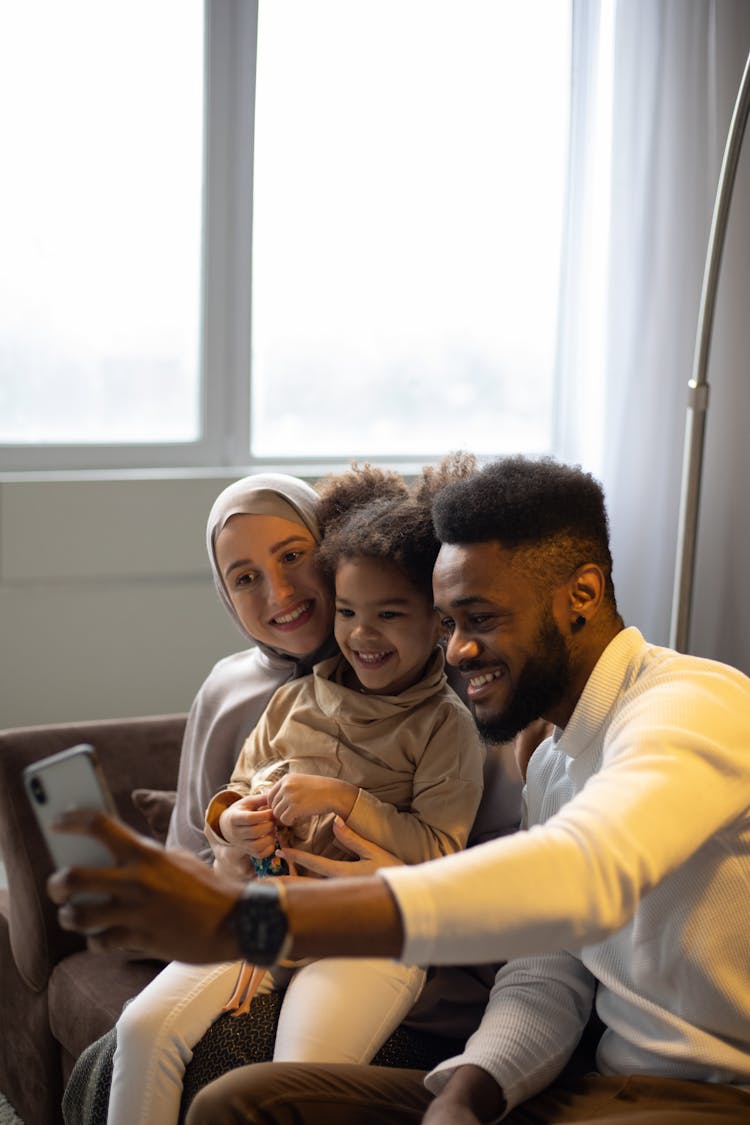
(370, 858)
(226, 707)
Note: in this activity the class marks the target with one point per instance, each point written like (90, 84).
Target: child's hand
(249, 824)
(299, 795)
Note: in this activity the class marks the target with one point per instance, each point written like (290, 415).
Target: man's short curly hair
(553, 514)
(373, 513)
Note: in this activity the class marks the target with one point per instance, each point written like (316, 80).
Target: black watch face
(259, 924)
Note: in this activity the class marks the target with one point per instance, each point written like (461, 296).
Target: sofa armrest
(142, 752)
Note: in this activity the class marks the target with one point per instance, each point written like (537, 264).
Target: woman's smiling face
(268, 568)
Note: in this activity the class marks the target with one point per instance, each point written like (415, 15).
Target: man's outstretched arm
(166, 903)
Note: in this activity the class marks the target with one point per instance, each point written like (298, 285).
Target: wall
(107, 607)
(677, 71)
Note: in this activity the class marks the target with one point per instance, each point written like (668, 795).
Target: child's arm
(239, 825)
(248, 824)
(446, 791)
(229, 857)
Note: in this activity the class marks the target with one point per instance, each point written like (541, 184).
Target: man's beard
(541, 685)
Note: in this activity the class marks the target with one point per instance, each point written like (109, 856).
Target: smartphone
(69, 780)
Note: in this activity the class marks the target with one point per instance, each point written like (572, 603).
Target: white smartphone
(69, 780)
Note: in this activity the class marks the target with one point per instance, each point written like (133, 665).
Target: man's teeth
(287, 618)
(371, 657)
(485, 678)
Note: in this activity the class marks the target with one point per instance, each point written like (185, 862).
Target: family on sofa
(619, 872)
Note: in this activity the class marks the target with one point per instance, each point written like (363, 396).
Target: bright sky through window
(101, 111)
(409, 185)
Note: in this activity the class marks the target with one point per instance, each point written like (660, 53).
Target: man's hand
(249, 824)
(299, 795)
(371, 857)
(470, 1097)
(163, 903)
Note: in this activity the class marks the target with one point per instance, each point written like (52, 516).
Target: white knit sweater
(632, 882)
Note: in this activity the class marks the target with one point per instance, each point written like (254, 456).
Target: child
(374, 736)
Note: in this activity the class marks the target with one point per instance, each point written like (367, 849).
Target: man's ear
(585, 593)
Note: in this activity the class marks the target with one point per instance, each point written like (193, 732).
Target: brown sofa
(55, 996)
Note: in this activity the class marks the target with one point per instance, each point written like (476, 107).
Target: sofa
(55, 996)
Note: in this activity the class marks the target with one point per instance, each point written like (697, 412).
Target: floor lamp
(695, 426)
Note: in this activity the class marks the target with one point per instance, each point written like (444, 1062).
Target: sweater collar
(610, 676)
(351, 706)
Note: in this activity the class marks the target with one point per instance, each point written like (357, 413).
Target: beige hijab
(267, 494)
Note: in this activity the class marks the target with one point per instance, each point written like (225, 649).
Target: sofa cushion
(155, 806)
(87, 992)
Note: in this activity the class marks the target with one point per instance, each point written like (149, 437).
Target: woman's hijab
(267, 494)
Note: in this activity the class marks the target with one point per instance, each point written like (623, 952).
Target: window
(100, 222)
(409, 176)
(377, 270)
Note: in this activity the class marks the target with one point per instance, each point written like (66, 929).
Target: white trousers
(337, 1010)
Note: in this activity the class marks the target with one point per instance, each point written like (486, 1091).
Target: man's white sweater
(631, 884)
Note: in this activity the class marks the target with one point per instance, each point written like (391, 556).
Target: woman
(288, 615)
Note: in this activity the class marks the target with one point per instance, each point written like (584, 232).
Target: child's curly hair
(373, 513)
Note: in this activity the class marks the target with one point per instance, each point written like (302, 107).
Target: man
(629, 891)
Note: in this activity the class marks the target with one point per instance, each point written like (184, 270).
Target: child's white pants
(334, 1010)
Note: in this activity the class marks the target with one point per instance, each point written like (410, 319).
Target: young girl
(374, 736)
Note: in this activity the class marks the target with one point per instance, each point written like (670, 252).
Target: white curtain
(677, 67)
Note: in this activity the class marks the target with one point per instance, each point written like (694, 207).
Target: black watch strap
(259, 924)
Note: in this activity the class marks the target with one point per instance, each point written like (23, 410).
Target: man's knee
(235, 1097)
(309, 1094)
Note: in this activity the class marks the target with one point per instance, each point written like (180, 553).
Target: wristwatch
(259, 924)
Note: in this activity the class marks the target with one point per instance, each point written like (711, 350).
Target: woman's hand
(299, 795)
(370, 857)
(249, 824)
